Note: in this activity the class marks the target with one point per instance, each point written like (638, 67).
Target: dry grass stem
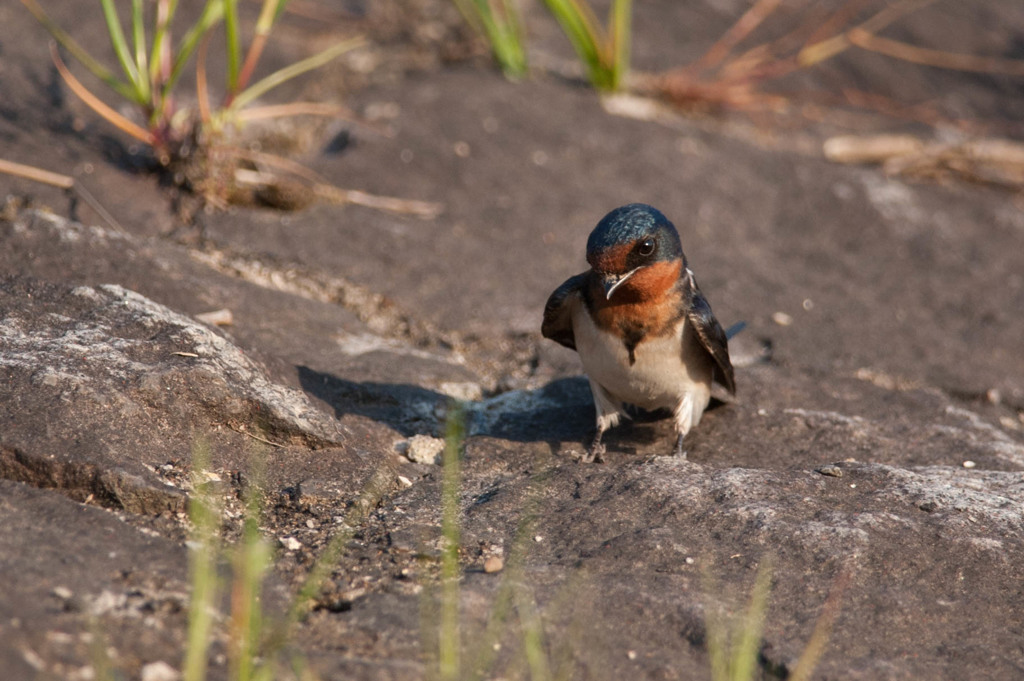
(987, 161)
(36, 174)
(938, 58)
(427, 210)
(722, 79)
(96, 104)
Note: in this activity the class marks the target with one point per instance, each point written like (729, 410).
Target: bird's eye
(646, 247)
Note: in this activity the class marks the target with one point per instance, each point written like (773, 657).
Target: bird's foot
(595, 452)
(678, 450)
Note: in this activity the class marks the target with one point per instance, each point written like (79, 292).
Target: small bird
(644, 331)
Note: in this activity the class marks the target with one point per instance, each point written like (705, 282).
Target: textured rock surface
(875, 450)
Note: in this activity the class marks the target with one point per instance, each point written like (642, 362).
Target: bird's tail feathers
(735, 329)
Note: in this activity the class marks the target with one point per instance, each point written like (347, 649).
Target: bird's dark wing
(712, 337)
(558, 312)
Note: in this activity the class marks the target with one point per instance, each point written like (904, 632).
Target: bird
(645, 333)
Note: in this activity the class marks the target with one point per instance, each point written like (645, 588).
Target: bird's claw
(594, 454)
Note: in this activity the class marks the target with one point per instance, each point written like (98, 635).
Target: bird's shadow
(560, 411)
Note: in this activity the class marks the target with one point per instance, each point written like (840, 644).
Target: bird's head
(635, 248)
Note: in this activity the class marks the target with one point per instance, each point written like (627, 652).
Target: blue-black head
(628, 239)
(632, 236)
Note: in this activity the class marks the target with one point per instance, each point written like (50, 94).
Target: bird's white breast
(666, 368)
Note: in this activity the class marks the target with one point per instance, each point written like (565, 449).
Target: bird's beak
(611, 281)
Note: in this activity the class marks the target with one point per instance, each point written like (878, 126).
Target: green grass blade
(160, 56)
(205, 517)
(716, 634)
(472, 12)
(509, 47)
(533, 635)
(504, 32)
(120, 45)
(749, 629)
(583, 33)
(84, 58)
(264, 23)
(269, 13)
(621, 27)
(261, 87)
(212, 13)
(139, 38)
(252, 560)
(449, 643)
(231, 36)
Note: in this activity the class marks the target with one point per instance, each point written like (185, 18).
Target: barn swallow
(643, 330)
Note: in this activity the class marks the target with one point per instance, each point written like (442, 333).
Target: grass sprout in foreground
(500, 22)
(450, 652)
(604, 52)
(257, 644)
(734, 643)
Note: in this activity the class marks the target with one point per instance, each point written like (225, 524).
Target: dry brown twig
(988, 161)
(65, 182)
(722, 80)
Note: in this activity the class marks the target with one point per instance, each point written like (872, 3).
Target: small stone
(928, 506)
(969, 464)
(217, 318)
(291, 543)
(782, 319)
(690, 560)
(159, 671)
(631, 654)
(538, 538)
(404, 481)
(493, 564)
(310, 523)
(424, 449)
(831, 470)
(62, 592)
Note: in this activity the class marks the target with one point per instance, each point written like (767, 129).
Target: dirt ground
(876, 440)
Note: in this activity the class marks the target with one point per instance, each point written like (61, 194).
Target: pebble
(831, 470)
(782, 319)
(969, 464)
(424, 449)
(217, 318)
(62, 592)
(159, 671)
(291, 543)
(493, 564)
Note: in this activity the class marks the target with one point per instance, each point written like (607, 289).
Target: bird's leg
(607, 417)
(678, 450)
(684, 421)
(595, 453)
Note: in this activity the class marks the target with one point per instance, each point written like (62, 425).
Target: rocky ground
(873, 452)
